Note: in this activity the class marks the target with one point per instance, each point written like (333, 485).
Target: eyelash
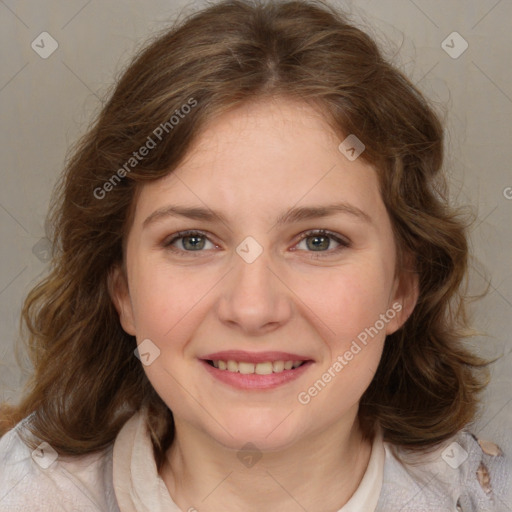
(344, 244)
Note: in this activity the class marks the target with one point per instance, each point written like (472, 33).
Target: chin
(268, 432)
(243, 441)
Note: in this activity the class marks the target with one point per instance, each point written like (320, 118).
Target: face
(264, 273)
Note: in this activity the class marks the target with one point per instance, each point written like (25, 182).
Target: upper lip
(253, 357)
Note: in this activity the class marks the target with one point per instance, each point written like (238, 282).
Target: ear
(120, 295)
(405, 294)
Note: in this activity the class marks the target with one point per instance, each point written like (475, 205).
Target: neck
(203, 475)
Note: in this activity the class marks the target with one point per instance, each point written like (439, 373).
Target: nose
(254, 298)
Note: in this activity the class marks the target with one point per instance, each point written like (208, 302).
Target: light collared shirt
(463, 475)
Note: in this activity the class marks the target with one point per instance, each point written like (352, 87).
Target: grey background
(46, 104)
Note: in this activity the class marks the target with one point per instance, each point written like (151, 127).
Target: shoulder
(464, 474)
(43, 480)
(486, 474)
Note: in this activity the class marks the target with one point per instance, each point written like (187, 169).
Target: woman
(256, 295)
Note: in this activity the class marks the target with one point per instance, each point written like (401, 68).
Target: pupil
(195, 244)
(323, 245)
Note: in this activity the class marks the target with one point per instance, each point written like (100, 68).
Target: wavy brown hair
(86, 381)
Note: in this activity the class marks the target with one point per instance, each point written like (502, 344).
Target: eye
(320, 240)
(188, 241)
(317, 241)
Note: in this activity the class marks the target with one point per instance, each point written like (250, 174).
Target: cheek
(354, 305)
(350, 307)
(347, 300)
(166, 298)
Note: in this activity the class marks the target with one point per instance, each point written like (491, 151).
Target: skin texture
(252, 164)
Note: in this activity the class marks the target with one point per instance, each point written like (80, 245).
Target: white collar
(139, 487)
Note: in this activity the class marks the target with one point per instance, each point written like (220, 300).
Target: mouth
(258, 371)
(248, 368)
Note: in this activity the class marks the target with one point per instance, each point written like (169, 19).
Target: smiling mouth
(264, 368)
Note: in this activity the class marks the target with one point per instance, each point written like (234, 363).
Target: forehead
(264, 156)
(263, 132)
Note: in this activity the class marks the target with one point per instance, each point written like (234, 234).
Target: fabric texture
(465, 474)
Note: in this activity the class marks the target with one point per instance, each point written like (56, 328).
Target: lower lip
(255, 381)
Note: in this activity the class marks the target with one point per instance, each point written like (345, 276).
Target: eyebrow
(295, 214)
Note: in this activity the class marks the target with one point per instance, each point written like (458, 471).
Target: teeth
(246, 368)
(265, 368)
(278, 366)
